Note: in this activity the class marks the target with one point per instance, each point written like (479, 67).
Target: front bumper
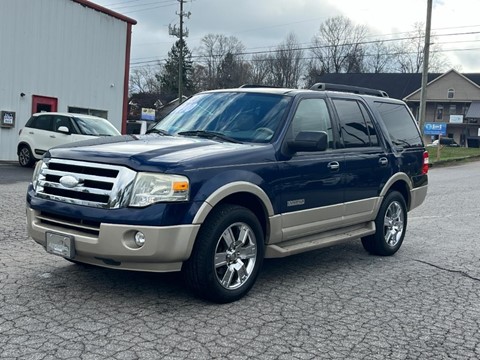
(165, 248)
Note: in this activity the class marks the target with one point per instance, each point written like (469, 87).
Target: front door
(312, 186)
(44, 104)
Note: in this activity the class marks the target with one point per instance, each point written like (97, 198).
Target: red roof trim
(106, 11)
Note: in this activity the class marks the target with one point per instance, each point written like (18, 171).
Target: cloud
(263, 24)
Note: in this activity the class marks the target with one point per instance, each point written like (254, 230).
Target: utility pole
(180, 33)
(426, 54)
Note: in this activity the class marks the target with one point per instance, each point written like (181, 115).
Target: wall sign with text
(7, 119)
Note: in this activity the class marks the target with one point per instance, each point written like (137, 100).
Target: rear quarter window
(401, 126)
(42, 122)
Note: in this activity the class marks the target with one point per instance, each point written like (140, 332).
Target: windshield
(245, 117)
(95, 126)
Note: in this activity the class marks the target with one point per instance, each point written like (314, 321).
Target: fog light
(139, 238)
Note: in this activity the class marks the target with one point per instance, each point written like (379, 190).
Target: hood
(162, 153)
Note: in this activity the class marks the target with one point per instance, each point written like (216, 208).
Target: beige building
(449, 98)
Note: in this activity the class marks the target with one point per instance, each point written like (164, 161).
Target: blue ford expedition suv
(231, 177)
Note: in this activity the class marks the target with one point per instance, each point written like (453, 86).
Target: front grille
(85, 183)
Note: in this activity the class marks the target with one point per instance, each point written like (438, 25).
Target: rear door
(39, 133)
(367, 165)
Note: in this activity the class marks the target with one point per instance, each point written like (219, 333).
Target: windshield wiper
(209, 135)
(157, 131)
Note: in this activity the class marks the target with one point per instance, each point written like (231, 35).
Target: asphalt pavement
(335, 303)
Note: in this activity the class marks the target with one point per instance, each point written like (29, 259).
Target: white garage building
(61, 55)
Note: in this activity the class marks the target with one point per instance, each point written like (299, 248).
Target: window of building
(439, 112)
(453, 109)
(451, 93)
(85, 111)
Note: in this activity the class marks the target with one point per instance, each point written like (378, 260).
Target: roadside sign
(435, 129)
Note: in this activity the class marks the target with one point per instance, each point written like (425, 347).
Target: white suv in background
(49, 129)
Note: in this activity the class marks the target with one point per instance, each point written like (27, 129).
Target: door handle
(52, 136)
(333, 165)
(383, 161)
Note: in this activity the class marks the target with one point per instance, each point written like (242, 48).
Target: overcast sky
(263, 24)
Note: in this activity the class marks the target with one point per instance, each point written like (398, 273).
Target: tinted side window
(401, 127)
(312, 115)
(42, 122)
(370, 127)
(353, 125)
(31, 122)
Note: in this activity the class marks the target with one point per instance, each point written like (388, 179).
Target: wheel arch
(240, 193)
(399, 182)
(21, 144)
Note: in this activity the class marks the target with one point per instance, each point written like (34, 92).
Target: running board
(319, 241)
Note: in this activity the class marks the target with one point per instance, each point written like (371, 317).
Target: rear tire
(391, 225)
(25, 156)
(227, 255)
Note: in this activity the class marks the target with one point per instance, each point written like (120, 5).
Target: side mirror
(309, 141)
(63, 129)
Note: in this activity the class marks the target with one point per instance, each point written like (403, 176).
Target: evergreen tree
(169, 76)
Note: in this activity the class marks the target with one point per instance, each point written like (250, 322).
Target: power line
(156, 62)
(313, 47)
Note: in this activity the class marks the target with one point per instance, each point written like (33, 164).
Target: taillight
(425, 163)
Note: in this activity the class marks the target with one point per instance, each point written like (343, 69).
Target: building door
(43, 104)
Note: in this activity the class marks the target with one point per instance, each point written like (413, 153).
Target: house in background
(61, 55)
(449, 97)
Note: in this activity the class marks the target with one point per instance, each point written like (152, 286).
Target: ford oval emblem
(69, 181)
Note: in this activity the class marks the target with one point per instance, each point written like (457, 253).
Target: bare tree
(379, 57)
(144, 79)
(338, 45)
(312, 72)
(213, 50)
(286, 63)
(260, 69)
(409, 53)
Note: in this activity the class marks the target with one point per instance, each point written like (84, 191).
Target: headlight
(36, 174)
(151, 188)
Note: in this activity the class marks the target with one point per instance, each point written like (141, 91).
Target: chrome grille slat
(84, 176)
(85, 183)
(77, 189)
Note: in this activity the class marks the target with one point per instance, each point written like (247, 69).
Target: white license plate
(62, 245)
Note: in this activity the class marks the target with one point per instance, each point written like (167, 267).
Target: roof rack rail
(253, 86)
(349, 89)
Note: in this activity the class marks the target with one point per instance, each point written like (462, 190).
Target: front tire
(391, 225)
(25, 156)
(227, 255)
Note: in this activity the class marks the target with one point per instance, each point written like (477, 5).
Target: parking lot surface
(336, 303)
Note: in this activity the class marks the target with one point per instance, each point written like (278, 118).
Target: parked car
(231, 177)
(49, 129)
(444, 142)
